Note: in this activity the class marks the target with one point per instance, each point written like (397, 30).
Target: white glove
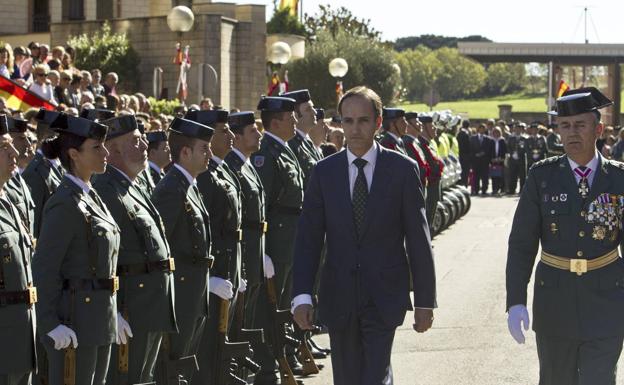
(518, 314)
(242, 285)
(63, 337)
(123, 330)
(269, 270)
(221, 287)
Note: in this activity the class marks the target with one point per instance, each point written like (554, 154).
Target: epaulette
(544, 162)
(615, 163)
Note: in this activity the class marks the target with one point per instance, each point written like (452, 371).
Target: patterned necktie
(583, 185)
(360, 196)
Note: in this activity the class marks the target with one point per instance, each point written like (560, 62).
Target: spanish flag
(563, 87)
(19, 98)
(293, 5)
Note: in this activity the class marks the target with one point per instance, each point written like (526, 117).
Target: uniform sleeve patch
(259, 160)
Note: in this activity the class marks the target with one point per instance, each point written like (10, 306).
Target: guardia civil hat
(300, 96)
(97, 114)
(393, 113)
(411, 115)
(191, 129)
(120, 125)
(242, 119)
(276, 104)
(16, 125)
(82, 127)
(156, 136)
(208, 117)
(580, 101)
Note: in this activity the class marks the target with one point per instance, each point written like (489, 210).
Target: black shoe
(316, 353)
(318, 347)
(295, 366)
(264, 378)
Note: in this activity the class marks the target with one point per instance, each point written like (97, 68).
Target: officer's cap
(238, 120)
(82, 127)
(300, 96)
(425, 118)
(320, 114)
(276, 104)
(47, 117)
(156, 136)
(16, 125)
(411, 115)
(120, 125)
(4, 126)
(208, 117)
(191, 129)
(393, 113)
(580, 101)
(97, 114)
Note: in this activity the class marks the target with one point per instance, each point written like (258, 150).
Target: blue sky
(533, 21)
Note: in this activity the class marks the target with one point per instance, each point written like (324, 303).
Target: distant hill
(434, 41)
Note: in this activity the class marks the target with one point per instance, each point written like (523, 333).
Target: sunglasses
(40, 74)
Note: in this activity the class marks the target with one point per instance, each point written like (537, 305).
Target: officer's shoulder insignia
(615, 163)
(259, 160)
(547, 161)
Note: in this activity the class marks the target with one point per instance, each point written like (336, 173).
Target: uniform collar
(79, 182)
(55, 162)
(593, 164)
(396, 138)
(302, 134)
(122, 173)
(186, 174)
(370, 156)
(278, 139)
(240, 154)
(154, 166)
(217, 160)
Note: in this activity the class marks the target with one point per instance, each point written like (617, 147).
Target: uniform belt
(28, 296)
(209, 261)
(166, 266)
(580, 266)
(258, 226)
(287, 210)
(110, 284)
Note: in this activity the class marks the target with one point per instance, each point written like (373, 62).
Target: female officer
(75, 260)
(17, 294)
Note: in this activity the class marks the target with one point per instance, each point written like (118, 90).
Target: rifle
(123, 355)
(226, 351)
(173, 371)
(278, 336)
(304, 355)
(69, 355)
(255, 337)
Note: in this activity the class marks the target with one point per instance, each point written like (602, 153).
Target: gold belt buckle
(240, 234)
(265, 226)
(115, 284)
(578, 266)
(171, 264)
(32, 295)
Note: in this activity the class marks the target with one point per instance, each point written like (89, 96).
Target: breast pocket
(554, 216)
(104, 245)
(14, 274)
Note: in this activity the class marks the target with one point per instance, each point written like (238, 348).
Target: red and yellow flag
(293, 5)
(563, 87)
(19, 98)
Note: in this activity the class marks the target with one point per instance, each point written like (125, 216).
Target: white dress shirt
(302, 134)
(593, 165)
(188, 176)
(217, 160)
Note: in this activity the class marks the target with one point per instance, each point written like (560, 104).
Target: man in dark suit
(463, 140)
(499, 150)
(481, 151)
(367, 203)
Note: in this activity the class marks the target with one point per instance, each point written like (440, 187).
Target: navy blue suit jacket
(376, 266)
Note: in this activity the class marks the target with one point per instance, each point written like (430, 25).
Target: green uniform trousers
(16, 379)
(143, 353)
(91, 364)
(572, 362)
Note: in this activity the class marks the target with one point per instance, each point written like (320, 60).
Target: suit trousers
(16, 379)
(91, 363)
(573, 362)
(143, 353)
(517, 170)
(465, 171)
(481, 179)
(361, 351)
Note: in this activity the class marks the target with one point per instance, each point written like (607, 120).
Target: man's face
(400, 125)
(205, 105)
(96, 77)
(359, 123)
(222, 140)
(161, 155)
(8, 158)
(284, 127)
(250, 140)
(429, 130)
(579, 133)
(481, 130)
(65, 80)
(22, 144)
(307, 116)
(200, 155)
(414, 127)
(133, 151)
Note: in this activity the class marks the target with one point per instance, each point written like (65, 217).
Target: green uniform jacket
(282, 179)
(306, 154)
(553, 142)
(17, 321)
(145, 182)
(221, 195)
(156, 176)
(537, 149)
(43, 179)
(147, 298)
(187, 226)
(18, 192)
(78, 240)
(252, 197)
(388, 141)
(517, 148)
(552, 212)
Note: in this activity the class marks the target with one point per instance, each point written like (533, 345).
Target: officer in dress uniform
(394, 126)
(220, 191)
(144, 179)
(16, 188)
(410, 140)
(318, 134)
(282, 179)
(97, 114)
(145, 300)
(427, 143)
(571, 205)
(553, 141)
(17, 294)
(537, 149)
(187, 226)
(301, 144)
(517, 157)
(43, 175)
(75, 261)
(158, 154)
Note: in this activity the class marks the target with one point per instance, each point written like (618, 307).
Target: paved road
(469, 343)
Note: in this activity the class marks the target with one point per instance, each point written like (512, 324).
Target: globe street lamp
(180, 19)
(338, 68)
(278, 55)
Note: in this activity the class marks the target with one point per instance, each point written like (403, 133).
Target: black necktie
(360, 196)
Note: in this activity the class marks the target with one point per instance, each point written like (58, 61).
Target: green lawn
(488, 107)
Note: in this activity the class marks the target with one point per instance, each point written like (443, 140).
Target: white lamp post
(279, 54)
(338, 68)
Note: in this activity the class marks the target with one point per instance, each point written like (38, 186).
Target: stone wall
(234, 48)
(15, 17)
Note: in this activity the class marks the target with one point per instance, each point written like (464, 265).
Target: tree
(370, 64)
(341, 19)
(110, 52)
(504, 78)
(434, 41)
(418, 71)
(283, 22)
